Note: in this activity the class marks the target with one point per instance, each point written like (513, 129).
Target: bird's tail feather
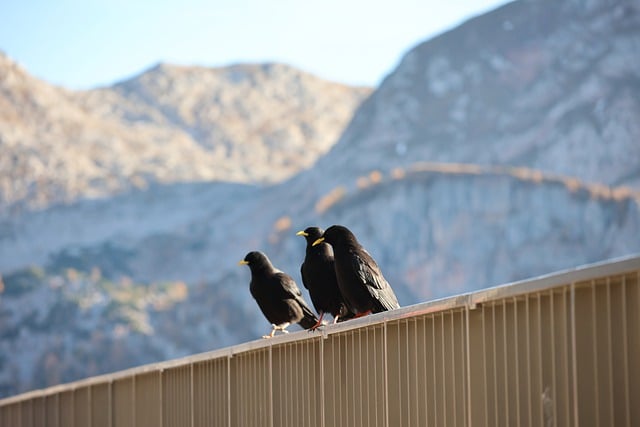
(309, 320)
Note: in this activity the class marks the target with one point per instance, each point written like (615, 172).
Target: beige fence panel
(607, 341)
(426, 369)
(39, 414)
(211, 393)
(123, 402)
(66, 409)
(27, 413)
(296, 384)
(148, 399)
(354, 380)
(523, 360)
(52, 410)
(11, 415)
(251, 397)
(560, 350)
(177, 396)
(81, 406)
(100, 407)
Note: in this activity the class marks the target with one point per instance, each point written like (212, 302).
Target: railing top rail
(471, 300)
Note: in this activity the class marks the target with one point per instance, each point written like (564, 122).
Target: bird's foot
(274, 328)
(318, 324)
(273, 332)
(364, 313)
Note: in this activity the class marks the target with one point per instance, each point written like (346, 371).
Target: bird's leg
(318, 323)
(274, 328)
(273, 331)
(364, 313)
(283, 327)
(335, 319)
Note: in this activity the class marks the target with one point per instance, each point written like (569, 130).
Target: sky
(86, 44)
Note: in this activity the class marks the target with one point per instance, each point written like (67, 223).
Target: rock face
(540, 84)
(243, 123)
(500, 150)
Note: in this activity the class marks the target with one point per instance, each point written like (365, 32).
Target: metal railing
(558, 350)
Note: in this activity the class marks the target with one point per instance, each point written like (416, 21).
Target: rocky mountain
(500, 150)
(243, 123)
(547, 85)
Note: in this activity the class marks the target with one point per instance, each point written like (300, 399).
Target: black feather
(319, 276)
(360, 280)
(276, 293)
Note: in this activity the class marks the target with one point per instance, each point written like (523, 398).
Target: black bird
(277, 295)
(319, 277)
(360, 280)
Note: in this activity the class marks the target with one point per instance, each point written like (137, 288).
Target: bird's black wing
(288, 286)
(289, 290)
(305, 279)
(367, 269)
(371, 275)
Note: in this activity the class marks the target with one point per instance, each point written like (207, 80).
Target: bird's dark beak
(243, 262)
(317, 242)
(302, 233)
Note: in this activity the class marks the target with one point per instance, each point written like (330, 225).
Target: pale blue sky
(83, 44)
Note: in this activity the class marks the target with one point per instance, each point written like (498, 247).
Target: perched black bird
(319, 277)
(277, 295)
(360, 280)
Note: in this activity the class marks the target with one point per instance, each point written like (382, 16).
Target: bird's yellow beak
(302, 233)
(317, 242)
(243, 262)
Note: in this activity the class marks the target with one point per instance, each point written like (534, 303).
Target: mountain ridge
(256, 123)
